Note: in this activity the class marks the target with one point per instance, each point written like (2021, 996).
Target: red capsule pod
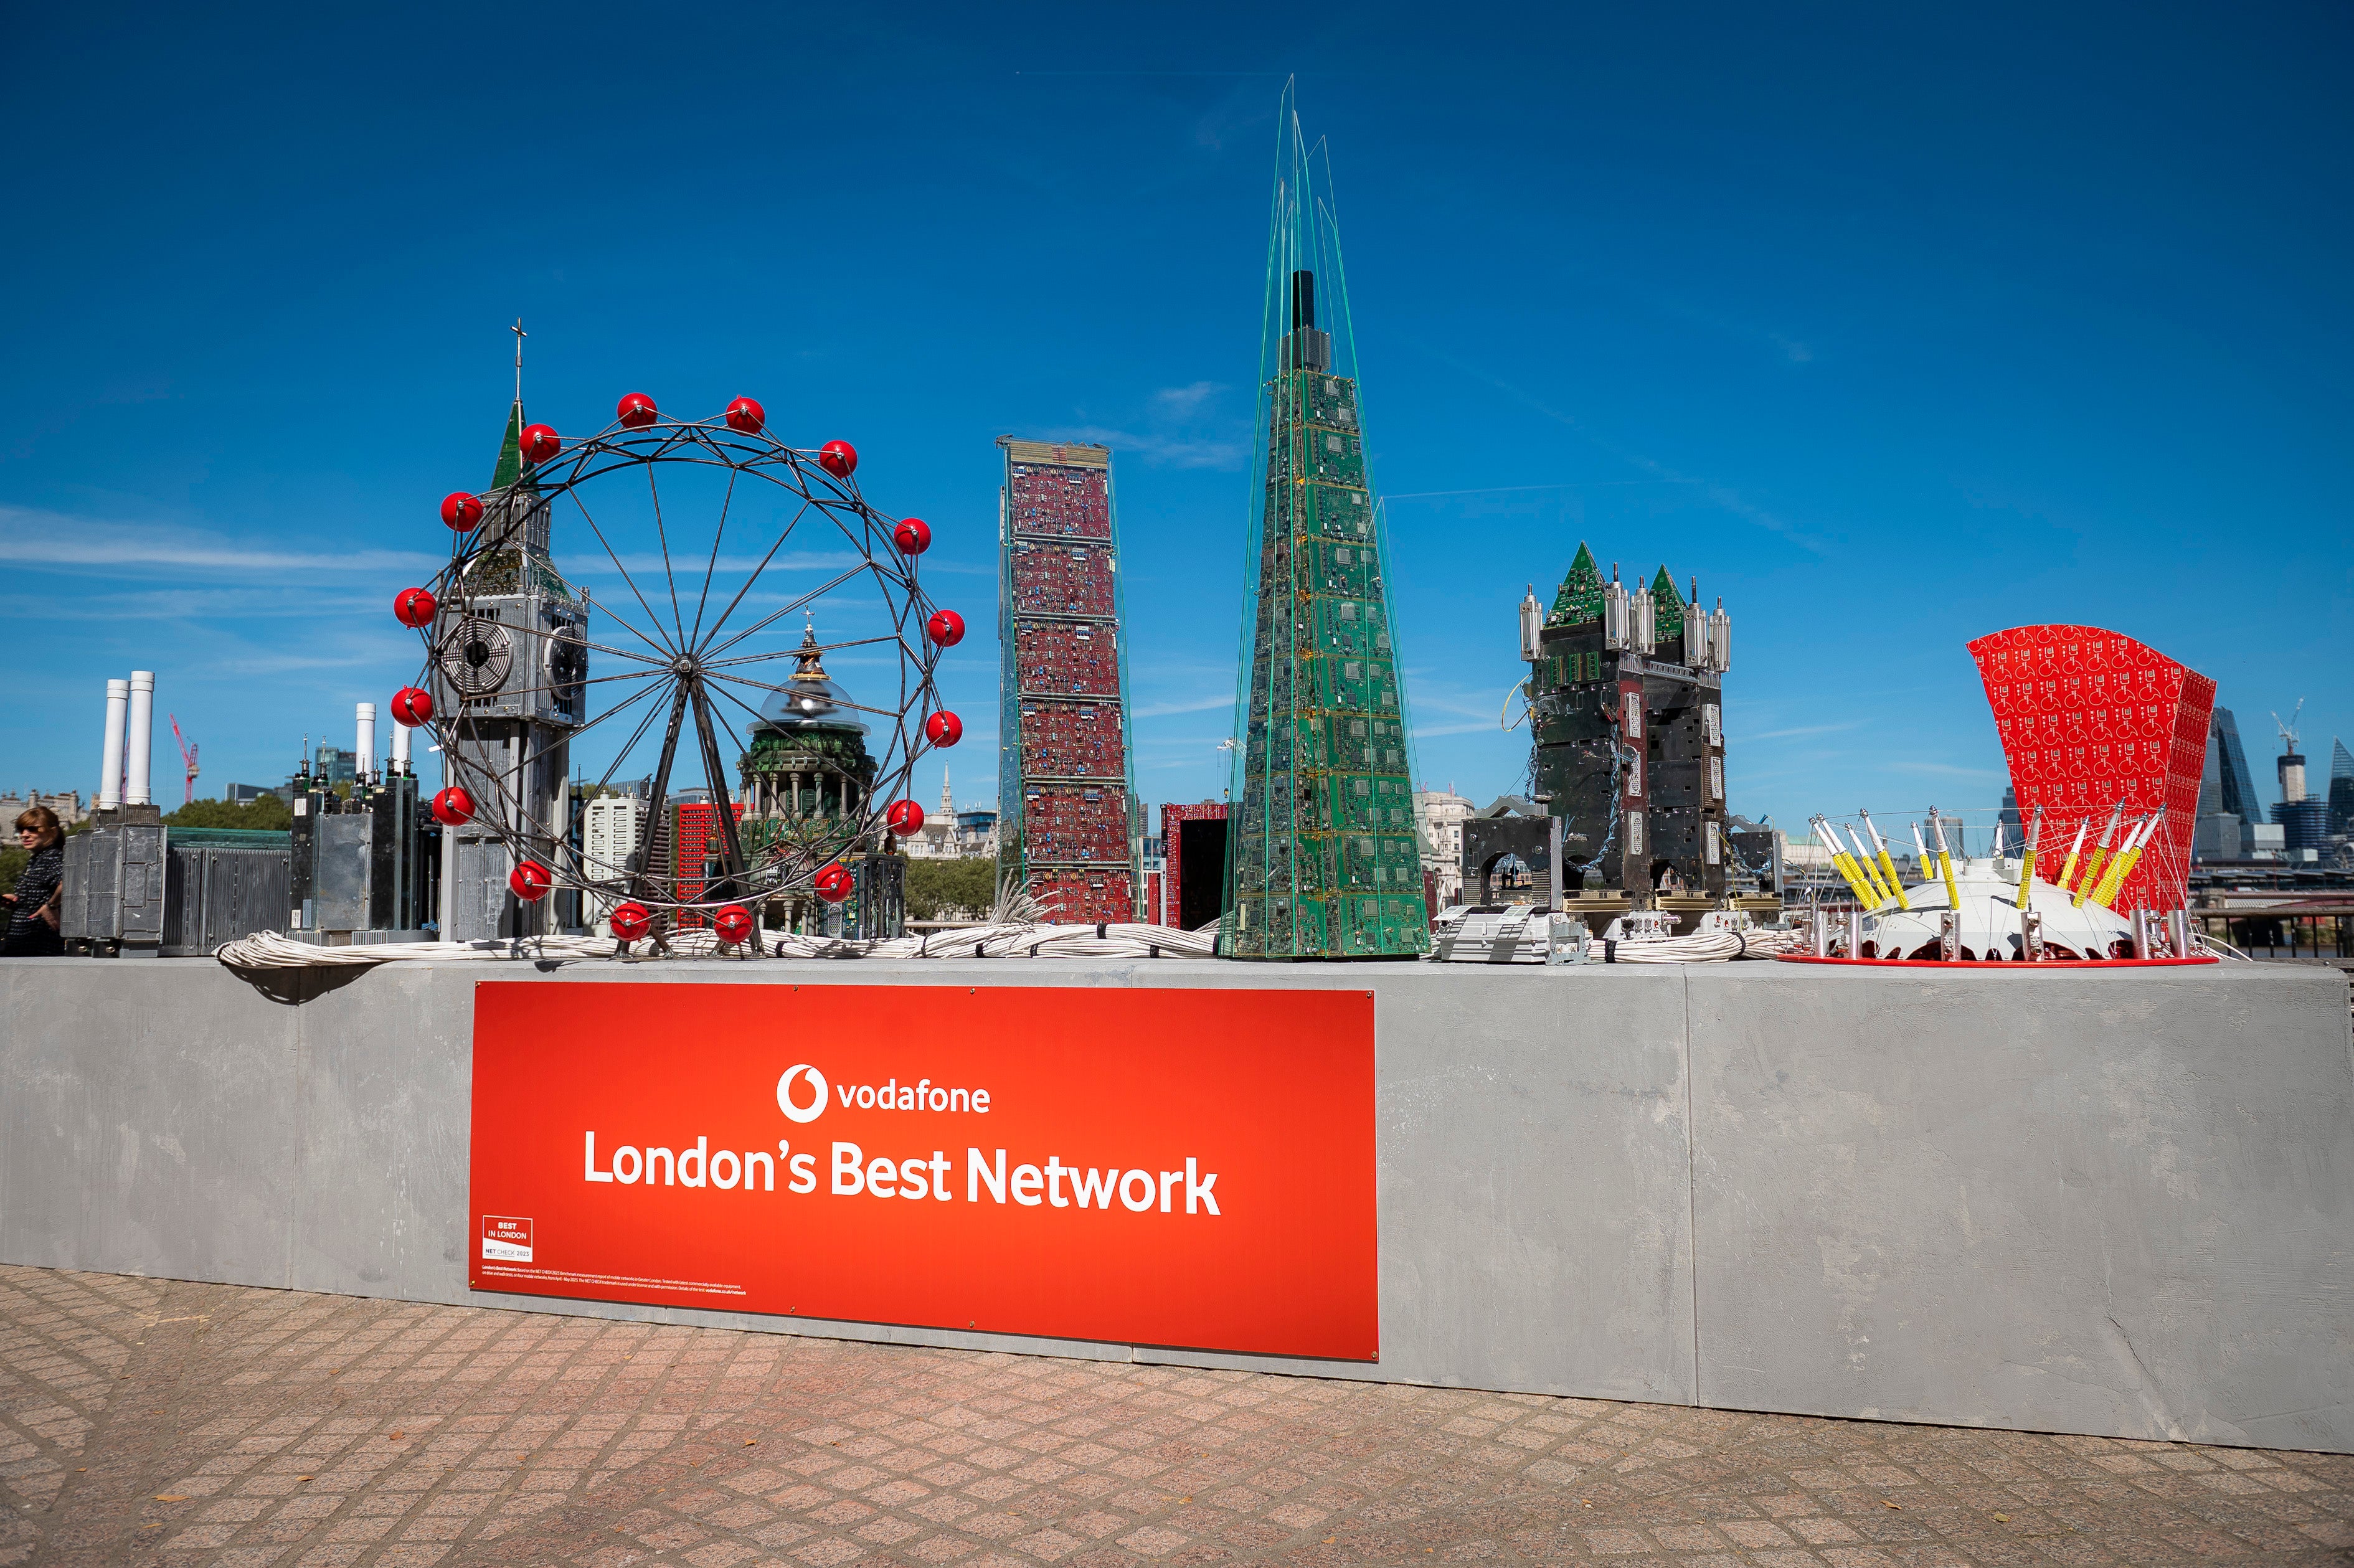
(530, 880)
(912, 536)
(540, 442)
(745, 414)
(415, 607)
(461, 511)
(733, 924)
(453, 807)
(629, 920)
(839, 459)
(903, 818)
(412, 705)
(944, 728)
(946, 627)
(834, 883)
(635, 412)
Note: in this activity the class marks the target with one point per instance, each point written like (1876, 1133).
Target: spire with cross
(510, 465)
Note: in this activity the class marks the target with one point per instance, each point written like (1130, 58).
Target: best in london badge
(505, 1239)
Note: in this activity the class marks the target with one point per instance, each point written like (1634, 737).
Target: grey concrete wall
(2118, 1202)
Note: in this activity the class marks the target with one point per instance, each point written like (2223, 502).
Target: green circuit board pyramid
(1325, 861)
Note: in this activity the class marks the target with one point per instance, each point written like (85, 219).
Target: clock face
(567, 667)
(477, 657)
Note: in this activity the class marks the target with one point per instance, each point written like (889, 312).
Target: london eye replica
(731, 569)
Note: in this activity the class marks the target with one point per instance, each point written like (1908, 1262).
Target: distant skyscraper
(1069, 829)
(2341, 786)
(1325, 859)
(2237, 784)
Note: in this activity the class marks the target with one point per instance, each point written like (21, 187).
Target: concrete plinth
(2117, 1203)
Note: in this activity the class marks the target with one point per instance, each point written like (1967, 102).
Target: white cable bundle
(269, 951)
(1703, 947)
(1527, 935)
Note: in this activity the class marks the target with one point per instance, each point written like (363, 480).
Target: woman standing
(33, 907)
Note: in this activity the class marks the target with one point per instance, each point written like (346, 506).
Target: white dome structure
(1989, 891)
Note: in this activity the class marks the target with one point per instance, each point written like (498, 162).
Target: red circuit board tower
(1068, 821)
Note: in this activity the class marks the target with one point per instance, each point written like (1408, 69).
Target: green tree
(963, 889)
(266, 814)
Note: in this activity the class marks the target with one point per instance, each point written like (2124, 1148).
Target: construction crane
(188, 756)
(2288, 725)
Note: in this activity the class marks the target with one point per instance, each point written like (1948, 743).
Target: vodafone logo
(815, 1108)
(923, 1095)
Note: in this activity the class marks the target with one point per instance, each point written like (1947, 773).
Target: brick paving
(211, 1427)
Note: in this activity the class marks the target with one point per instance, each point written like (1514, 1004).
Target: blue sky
(1894, 327)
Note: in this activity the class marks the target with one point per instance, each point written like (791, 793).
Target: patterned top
(36, 887)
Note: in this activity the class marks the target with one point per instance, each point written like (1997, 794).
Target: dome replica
(1989, 891)
(806, 777)
(810, 700)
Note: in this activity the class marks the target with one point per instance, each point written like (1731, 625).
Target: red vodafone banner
(1182, 1168)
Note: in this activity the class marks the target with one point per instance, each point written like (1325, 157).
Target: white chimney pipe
(110, 777)
(363, 753)
(138, 761)
(400, 748)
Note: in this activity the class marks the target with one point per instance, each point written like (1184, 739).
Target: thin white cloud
(1799, 730)
(1177, 402)
(1185, 706)
(1160, 451)
(689, 564)
(1946, 770)
(191, 604)
(59, 542)
(1725, 496)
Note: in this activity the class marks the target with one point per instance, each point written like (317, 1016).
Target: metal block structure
(1069, 828)
(220, 884)
(358, 863)
(2091, 720)
(1627, 711)
(1325, 860)
(113, 899)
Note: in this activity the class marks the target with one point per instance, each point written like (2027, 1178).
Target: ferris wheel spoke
(734, 885)
(821, 648)
(798, 602)
(613, 555)
(755, 574)
(654, 663)
(718, 533)
(864, 538)
(629, 746)
(641, 863)
(769, 686)
(572, 735)
(655, 673)
(658, 652)
(740, 703)
(661, 537)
